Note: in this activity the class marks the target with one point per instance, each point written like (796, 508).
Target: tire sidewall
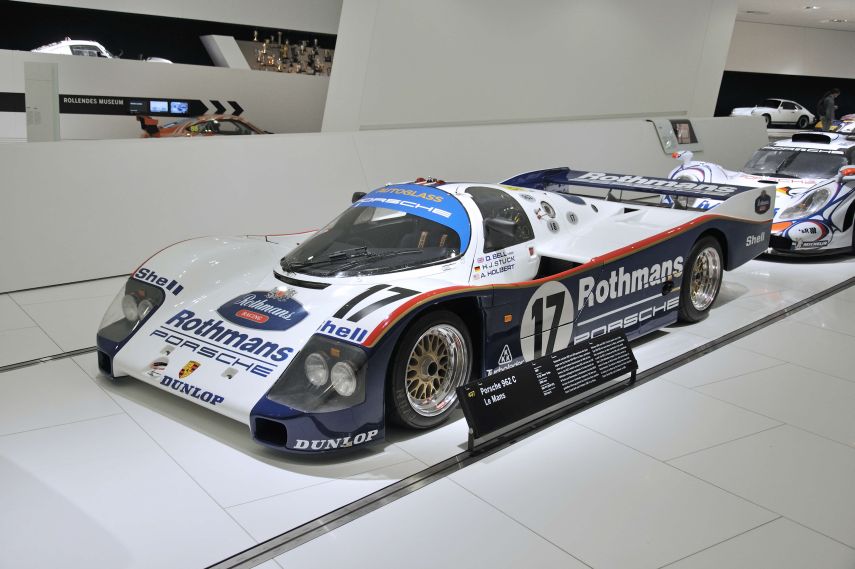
(768, 120)
(687, 311)
(399, 409)
(802, 122)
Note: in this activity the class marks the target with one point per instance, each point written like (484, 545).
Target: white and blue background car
(814, 190)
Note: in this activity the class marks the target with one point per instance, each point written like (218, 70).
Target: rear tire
(802, 122)
(433, 358)
(701, 281)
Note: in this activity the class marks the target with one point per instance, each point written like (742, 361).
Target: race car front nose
(327, 375)
(313, 399)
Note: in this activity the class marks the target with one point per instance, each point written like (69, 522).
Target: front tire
(433, 358)
(802, 122)
(768, 120)
(702, 283)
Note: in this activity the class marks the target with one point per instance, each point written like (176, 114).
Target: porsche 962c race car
(415, 289)
(815, 190)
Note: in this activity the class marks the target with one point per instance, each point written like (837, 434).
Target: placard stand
(514, 398)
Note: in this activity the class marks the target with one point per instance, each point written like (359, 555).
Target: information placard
(500, 401)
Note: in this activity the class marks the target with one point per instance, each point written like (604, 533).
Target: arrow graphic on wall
(122, 105)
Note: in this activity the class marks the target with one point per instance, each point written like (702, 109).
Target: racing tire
(802, 122)
(432, 359)
(768, 119)
(701, 281)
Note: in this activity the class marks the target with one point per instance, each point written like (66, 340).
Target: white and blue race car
(415, 289)
(815, 190)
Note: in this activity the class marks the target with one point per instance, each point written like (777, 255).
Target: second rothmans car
(778, 111)
(815, 190)
(415, 289)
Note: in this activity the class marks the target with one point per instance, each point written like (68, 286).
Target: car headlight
(317, 370)
(134, 303)
(343, 379)
(808, 204)
(327, 375)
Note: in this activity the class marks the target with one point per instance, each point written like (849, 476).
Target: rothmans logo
(264, 310)
(620, 282)
(641, 183)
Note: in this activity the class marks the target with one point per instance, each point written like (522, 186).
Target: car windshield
(782, 163)
(772, 103)
(370, 238)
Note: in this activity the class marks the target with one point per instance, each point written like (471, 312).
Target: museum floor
(744, 457)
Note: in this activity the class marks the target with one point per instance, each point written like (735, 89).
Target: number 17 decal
(398, 293)
(547, 324)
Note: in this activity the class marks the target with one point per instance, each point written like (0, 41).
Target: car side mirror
(846, 174)
(357, 196)
(500, 225)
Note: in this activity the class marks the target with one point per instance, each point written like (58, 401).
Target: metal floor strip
(46, 359)
(309, 531)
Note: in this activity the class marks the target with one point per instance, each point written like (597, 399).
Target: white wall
(790, 50)
(277, 102)
(320, 16)
(447, 62)
(78, 210)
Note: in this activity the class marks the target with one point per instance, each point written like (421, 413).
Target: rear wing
(740, 201)
(556, 179)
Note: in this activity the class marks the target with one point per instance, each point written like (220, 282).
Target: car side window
(229, 127)
(505, 222)
(788, 106)
(85, 50)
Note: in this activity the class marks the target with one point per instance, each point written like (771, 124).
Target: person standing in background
(827, 107)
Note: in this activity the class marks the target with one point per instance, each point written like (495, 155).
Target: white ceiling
(793, 13)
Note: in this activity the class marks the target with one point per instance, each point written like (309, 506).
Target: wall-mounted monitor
(178, 107)
(676, 134)
(683, 131)
(158, 106)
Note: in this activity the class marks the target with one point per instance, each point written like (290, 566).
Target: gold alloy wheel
(706, 278)
(437, 365)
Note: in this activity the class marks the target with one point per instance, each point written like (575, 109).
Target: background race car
(86, 48)
(778, 111)
(815, 195)
(415, 289)
(208, 125)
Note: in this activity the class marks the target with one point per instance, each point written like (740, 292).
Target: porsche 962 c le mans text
(415, 289)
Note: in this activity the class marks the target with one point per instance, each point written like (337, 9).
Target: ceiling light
(757, 12)
(838, 20)
(811, 7)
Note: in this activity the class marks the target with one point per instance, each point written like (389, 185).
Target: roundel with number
(547, 324)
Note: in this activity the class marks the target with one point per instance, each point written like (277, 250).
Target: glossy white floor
(743, 458)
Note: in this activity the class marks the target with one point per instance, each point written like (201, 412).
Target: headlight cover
(326, 375)
(135, 302)
(808, 204)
